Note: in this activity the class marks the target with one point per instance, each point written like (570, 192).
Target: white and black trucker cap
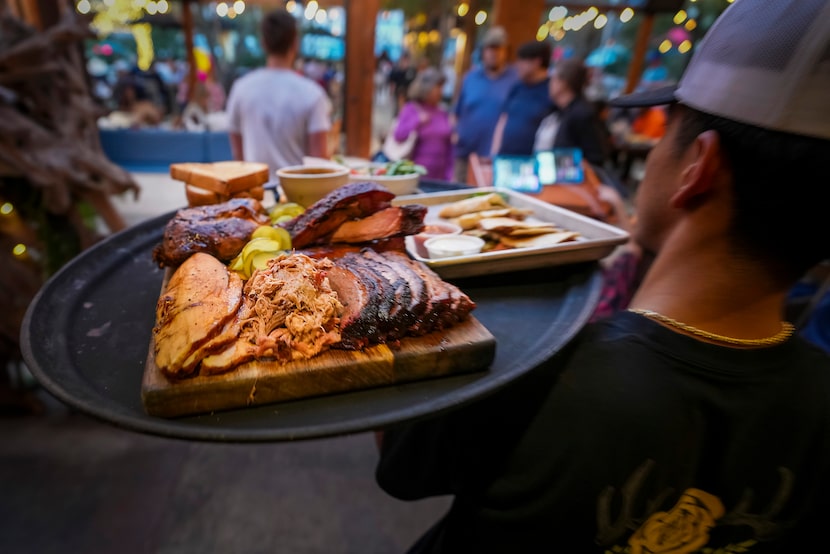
(764, 63)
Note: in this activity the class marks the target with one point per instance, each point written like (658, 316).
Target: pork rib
(321, 219)
(395, 221)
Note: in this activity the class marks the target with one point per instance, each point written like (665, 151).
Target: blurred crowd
(537, 103)
(160, 96)
(543, 100)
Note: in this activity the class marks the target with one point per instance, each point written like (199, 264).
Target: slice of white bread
(225, 178)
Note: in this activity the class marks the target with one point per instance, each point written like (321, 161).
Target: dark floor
(70, 484)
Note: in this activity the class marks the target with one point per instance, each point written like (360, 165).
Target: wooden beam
(360, 71)
(635, 68)
(187, 25)
(520, 24)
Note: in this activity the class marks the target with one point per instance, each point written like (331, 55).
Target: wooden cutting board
(466, 347)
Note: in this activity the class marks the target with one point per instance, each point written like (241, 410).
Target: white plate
(597, 239)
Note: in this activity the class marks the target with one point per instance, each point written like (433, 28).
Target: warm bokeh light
(239, 6)
(626, 15)
(558, 35)
(665, 46)
(19, 250)
(481, 17)
(591, 13)
(558, 12)
(163, 6)
(311, 10)
(290, 6)
(680, 17)
(684, 46)
(463, 9)
(221, 9)
(151, 8)
(600, 21)
(321, 16)
(691, 25)
(6, 208)
(568, 24)
(84, 7)
(543, 31)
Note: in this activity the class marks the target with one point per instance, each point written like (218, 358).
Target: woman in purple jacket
(423, 114)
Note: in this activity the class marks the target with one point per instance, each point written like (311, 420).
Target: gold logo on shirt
(683, 529)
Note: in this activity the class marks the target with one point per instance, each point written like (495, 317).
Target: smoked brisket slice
(321, 219)
(383, 299)
(359, 321)
(418, 294)
(447, 306)
(396, 321)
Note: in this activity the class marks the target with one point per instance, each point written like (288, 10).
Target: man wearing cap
(696, 421)
(480, 99)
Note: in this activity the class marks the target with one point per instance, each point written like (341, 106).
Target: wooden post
(187, 24)
(520, 24)
(360, 72)
(635, 68)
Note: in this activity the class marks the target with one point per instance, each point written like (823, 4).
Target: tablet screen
(516, 173)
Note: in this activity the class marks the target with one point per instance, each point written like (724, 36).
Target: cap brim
(656, 97)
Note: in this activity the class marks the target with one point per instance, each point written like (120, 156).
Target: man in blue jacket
(480, 100)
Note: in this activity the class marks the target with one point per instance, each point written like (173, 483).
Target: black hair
(279, 32)
(535, 50)
(574, 73)
(780, 184)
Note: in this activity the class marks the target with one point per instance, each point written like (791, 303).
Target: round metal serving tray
(86, 336)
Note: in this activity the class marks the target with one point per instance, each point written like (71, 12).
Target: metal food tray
(597, 239)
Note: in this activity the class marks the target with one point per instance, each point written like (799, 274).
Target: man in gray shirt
(277, 116)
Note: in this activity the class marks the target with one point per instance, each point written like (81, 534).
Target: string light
(6, 208)
(600, 21)
(691, 25)
(626, 15)
(239, 6)
(463, 9)
(558, 12)
(665, 46)
(680, 17)
(481, 17)
(19, 250)
(311, 10)
(684, 46)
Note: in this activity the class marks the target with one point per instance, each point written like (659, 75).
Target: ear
(698, 177)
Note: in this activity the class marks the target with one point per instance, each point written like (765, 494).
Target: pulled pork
(289, 310)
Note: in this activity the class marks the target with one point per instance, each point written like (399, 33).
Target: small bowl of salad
(399, 177)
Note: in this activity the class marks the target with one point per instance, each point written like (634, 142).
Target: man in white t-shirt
(277, 116)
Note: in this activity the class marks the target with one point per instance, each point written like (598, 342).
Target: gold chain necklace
(787, 329)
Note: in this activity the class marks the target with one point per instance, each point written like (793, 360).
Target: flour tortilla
(473, 204)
